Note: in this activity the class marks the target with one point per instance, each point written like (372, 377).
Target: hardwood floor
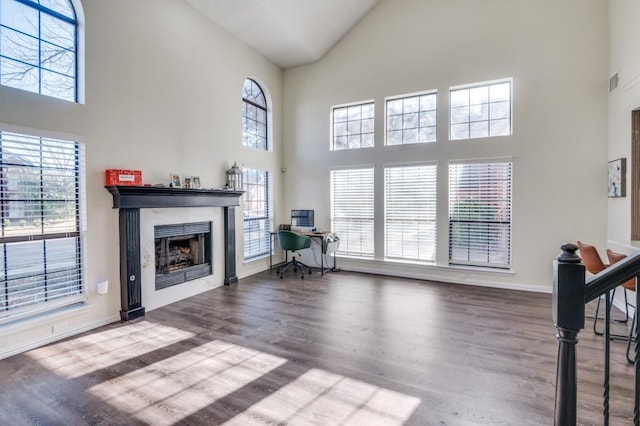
(345, 348)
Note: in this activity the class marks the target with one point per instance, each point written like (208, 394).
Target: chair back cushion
(616, 257)
(591, 258)
(291, 241)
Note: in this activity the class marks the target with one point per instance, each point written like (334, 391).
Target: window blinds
(410, 212)
(257, 213)
(40, 245)
(352, 211)
(480, 213)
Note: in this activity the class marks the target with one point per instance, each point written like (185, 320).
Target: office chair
(593, 263)
(627, 285)
(290, 241)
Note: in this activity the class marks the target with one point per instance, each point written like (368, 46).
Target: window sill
(255, 259)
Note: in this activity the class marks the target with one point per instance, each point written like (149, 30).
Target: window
(410, 212)
(353, 126)
(40, 246)
(352, 211)
(38, 47)
(480, 214)
(257, 213)
(481, 111)
(411, 119)
(254, 116)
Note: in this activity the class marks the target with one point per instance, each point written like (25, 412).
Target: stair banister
(571, 292)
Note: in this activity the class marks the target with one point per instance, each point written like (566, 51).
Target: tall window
(257, 213)
(480, 214)
(353, 126)
(38, 47)
(480, 111)
(411, 119)
(254, 116)
(410, 212)
(352, 211)
(40, 245)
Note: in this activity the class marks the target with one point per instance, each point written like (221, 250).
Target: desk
(319, 238)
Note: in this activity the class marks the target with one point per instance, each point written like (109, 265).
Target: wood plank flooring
(345, 348)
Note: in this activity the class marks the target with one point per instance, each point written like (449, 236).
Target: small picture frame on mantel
(176, 182)
(617, 178)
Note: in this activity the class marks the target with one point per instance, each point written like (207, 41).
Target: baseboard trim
(423, 275)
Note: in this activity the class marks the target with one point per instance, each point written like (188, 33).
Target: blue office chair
(290, 241)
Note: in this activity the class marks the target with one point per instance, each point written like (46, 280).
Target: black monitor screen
(302, 217)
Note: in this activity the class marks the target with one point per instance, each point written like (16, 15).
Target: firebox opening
(182, 254)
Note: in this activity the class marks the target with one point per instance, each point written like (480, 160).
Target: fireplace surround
(130, 199)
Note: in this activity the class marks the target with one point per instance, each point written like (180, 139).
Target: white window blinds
(40, 245)
(410, 212)
(257, 213)
(352, 211)
(480, 213)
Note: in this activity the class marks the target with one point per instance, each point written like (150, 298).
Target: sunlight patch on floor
(95, 351)
(320, 397)
(160, 393)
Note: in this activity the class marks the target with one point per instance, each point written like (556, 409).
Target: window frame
(403, 97)
(469, 105)
(368, 220)
(265, 240)
(506, 198)
(79, 234)
(250, 103)
(332, 124)
(39, 67)
(426, 201)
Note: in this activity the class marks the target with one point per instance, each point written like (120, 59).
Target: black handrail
(611, 277)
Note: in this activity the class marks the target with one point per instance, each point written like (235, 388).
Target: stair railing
(571, 292)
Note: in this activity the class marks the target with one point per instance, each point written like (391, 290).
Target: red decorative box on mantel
(123, 177)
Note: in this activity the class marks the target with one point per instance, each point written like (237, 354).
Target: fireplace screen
(183, 253)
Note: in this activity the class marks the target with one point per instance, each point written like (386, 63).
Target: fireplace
(182, 253)
(129, 200)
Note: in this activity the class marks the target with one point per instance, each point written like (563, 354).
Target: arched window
(254, 116)
(39, 47)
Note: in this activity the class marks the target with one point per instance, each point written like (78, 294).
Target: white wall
(163, 94)
(625, 60)
(557, 54)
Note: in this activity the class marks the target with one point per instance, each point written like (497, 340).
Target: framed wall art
(618, 178)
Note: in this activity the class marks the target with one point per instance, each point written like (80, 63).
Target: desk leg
(270, 252)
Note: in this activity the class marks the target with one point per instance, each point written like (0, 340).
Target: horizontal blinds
(352, 211)
(410, 212)
(257, 213)
(480, 214)
(40, 245)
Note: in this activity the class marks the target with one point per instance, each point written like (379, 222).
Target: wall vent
(613, 83)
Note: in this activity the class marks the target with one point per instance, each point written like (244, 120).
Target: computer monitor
(302, 218)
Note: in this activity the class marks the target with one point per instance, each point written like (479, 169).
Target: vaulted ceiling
(288, 32)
